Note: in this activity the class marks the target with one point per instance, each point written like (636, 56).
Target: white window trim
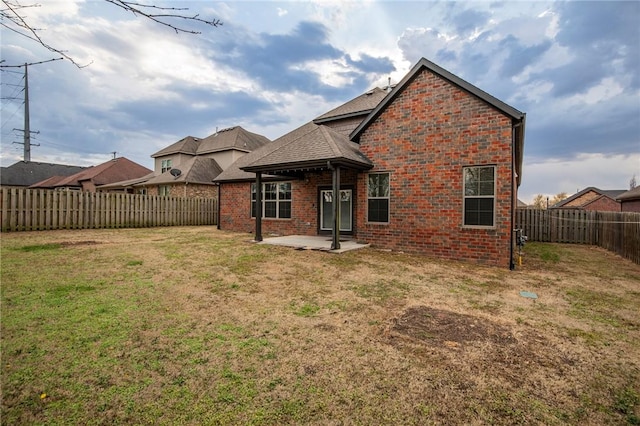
(277, 201)
(379, 198)
(166, 165)
(494, 196)
(342, 194)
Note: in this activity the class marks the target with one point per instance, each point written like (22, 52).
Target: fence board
(36, 209)
(618, 232)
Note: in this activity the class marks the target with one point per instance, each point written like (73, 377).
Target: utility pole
(26, 131)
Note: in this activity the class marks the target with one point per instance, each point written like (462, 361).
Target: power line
(72, 148)
(10, 71)
(9, 119)
(30, 63)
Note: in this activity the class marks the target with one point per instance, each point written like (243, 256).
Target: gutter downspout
(514, 189)
(218, 208)
(258, 237)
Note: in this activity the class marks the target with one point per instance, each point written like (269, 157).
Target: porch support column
(335, 244)
(258, 207)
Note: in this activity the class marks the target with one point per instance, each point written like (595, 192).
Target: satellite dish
(175, 172)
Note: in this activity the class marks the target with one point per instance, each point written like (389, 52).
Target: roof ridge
(330, 139)
(287, 143)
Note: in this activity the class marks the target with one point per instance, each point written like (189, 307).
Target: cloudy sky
(573, 67)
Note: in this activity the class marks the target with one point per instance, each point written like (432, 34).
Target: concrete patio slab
(304, 242)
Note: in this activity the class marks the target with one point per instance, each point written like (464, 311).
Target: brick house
(592, 199)
(429, 166)
(188, 167)
(630, 200)
(91, 178)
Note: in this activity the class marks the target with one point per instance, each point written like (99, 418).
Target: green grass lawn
(191, 325)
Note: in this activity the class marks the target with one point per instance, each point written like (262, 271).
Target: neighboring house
(431, 166)
(630, 200)
(26, 173)
(188, 167)
(193, 179)
(89, 179)
(593, 199)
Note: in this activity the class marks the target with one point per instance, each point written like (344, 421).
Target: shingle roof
(611, 193)
(232, 138)
(632, 194)
(128, 182)
(115, 170)
(309, 147)
(186, 145)
(48, 183)
(195, 170)
(234, 173)
(27, 173)
(362, 105)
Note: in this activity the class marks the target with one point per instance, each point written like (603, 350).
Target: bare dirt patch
(438, 327)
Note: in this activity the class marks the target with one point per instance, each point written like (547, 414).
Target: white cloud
(282, 12)
(333, 73)
(52, 11)
(600, 170)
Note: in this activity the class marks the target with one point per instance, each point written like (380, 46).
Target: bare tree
(557, 198)
(539, 202)
(12, 18)
(632, 182)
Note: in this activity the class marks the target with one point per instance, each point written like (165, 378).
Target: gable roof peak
(420, 66)
(518, 118)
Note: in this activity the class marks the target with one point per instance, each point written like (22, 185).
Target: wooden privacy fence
(39, 209)
(616, 231)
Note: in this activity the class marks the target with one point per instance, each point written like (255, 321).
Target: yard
(191, 325)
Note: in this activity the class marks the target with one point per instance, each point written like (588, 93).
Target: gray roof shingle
(632, 194)
(310, 147)
(232, 138)
(195, 170)
(186, 145)
(362, 105)
(28, 173)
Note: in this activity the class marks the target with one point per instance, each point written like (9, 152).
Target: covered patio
(311, 148)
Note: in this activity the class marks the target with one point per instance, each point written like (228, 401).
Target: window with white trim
(276, 200)
(378, 197)
(166, 165)
(479, 196)
(164, 190)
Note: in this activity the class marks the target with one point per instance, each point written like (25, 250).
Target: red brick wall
(631, 206)
(582, 200)
(424, 138)
(604, 204)
(235, 199)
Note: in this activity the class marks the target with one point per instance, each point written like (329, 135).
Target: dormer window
(166, 165)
